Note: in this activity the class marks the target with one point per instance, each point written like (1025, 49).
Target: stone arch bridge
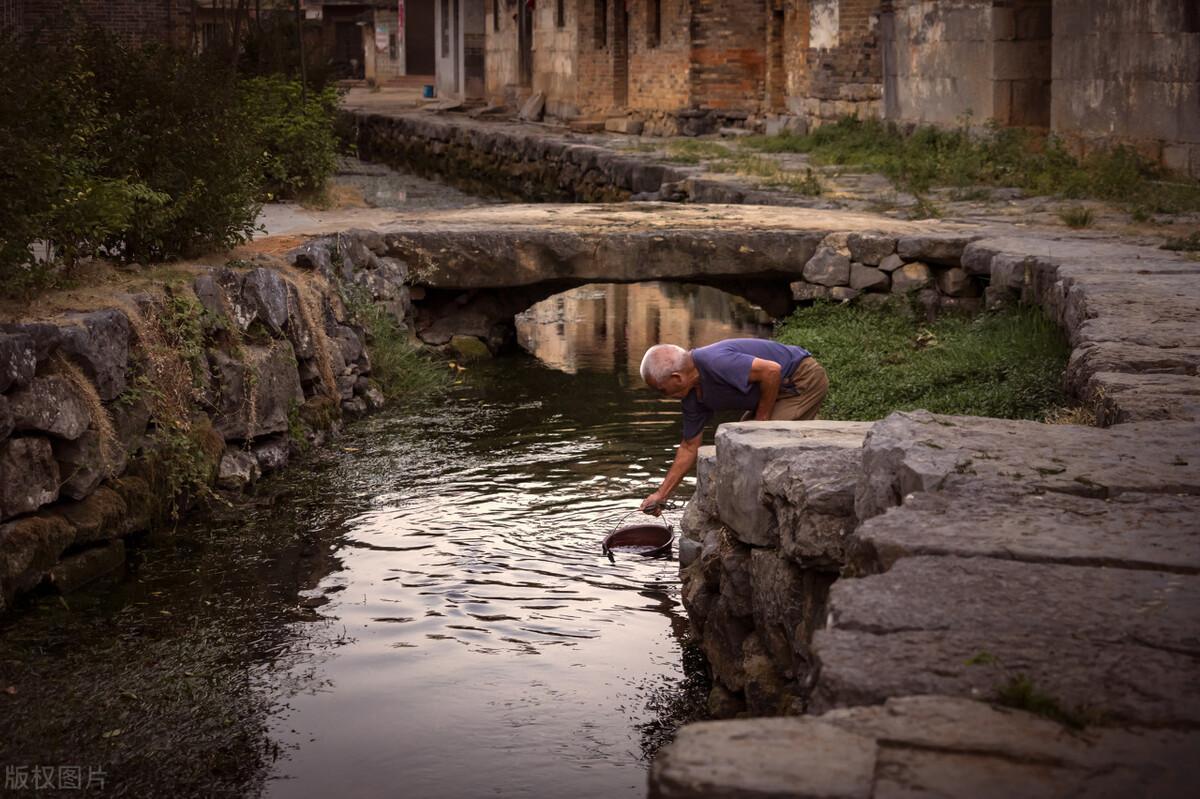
(470, 271)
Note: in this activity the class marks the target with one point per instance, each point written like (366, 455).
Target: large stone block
(256, 394)
(99, 343)
(868, 278)
(18, 360)
(29, 475)
(1130, 531)
(812, 500)
(266, 292)
(870, 249)
(99, 517)
(744, 450)
(944, 250)
(77, 570)
(911, 277)
(1120, 397)
(921, 746)
(51, 405)
(917, 451)
(971, 626)
(87, 460)
(828, 268)
(29, 547)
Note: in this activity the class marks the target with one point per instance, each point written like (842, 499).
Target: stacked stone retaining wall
(106, 414)
(493, 158)
(934, 584)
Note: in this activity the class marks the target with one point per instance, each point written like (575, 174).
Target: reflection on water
(422, 609)
(607, 327)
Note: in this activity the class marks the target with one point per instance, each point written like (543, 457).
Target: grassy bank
(1006, 365)
(930, 157)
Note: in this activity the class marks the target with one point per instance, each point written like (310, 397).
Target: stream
(419, 609)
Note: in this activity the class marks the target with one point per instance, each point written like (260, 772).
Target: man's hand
(653, 504)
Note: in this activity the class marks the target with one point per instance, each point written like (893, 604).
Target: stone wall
(832, 59)
(870, 267)
(938, 62)
(1129, 73)
(106, 414)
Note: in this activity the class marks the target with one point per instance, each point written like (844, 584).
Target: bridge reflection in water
(606, 327)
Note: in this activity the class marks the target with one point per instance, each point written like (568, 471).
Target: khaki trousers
(811, 385)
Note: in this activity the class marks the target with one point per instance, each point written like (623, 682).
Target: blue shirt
(725, 378)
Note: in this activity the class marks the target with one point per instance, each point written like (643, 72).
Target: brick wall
(659, 67)
(832, 58)
(594, 55)
(729, 54)
(133, 20)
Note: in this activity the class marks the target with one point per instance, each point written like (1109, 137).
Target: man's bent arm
(685, 459)
(768, 375)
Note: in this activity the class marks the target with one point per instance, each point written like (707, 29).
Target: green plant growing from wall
(398, 367)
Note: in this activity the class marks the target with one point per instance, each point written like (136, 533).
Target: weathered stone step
(920, 451)
(921, 746)
(1106, 645)
(758, 464)
(1133, 531)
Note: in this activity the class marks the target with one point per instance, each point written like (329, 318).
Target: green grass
(1006, 365)
(931, 157)
(769, 172)
(399, 368)
(693, 151)
(1019, 692)
(1077, 217)
(1189, 243)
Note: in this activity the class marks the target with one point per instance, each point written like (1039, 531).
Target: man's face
(673, 386)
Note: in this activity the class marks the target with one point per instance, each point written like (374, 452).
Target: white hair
(661, 360)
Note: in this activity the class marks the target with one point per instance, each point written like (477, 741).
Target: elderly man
(771, 380)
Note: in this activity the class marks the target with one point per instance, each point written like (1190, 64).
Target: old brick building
(1096, 72)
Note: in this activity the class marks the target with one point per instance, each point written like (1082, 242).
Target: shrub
(142, 153)
(299, 148)
(179, 127)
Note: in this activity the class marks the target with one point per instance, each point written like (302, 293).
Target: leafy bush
(180, 126)
(142, 153)
(1006, 365)
(297, 135)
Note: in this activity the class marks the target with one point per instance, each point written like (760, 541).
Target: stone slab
(922, 746)
(920, 451)
(1132, 531)
(762, 758)
(1111, 646)
(1122, 397)
(744, 450)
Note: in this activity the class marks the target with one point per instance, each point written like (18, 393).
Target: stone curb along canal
(959, 605)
